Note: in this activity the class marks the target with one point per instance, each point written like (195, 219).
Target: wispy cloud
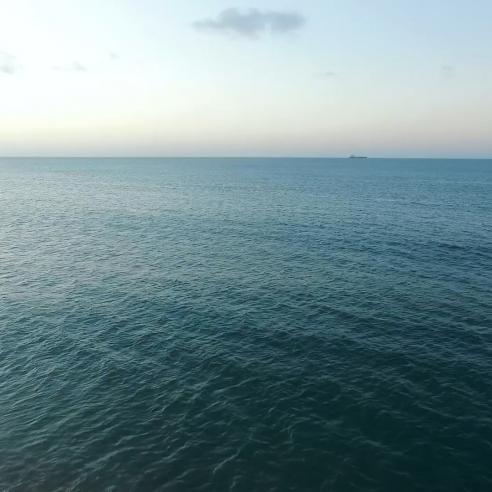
(251, 23)
(8, 63)
(327, 75)
(447, 71)
(71, 67)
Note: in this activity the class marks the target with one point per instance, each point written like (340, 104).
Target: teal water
(245, 325)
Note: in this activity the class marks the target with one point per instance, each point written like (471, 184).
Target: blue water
(245, 325)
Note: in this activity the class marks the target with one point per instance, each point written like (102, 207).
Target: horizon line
(358, 157)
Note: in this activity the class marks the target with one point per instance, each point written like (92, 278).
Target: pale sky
(220, 78)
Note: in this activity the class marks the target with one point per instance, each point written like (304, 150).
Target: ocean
(245, 325)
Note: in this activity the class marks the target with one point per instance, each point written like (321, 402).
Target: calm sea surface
(245, 325)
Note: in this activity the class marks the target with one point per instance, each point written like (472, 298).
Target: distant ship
(357, 157)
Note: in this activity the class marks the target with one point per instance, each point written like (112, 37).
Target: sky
(409, 78)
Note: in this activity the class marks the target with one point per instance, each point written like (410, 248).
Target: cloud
(252, 22)
(447, 71)
(7, 63)
(72, 67)
(328, 75)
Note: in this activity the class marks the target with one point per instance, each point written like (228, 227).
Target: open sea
(245, 325)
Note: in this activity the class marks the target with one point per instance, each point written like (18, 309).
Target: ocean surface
(245, 325)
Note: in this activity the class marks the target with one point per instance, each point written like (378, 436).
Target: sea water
(245, 325)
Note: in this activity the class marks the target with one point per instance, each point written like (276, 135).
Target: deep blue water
(245, 325)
